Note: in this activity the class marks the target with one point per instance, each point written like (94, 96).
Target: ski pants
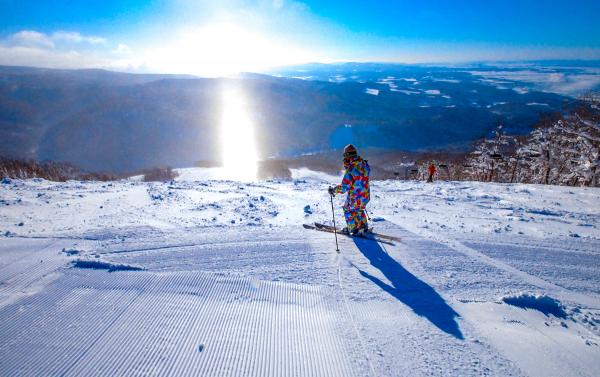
(354, 212)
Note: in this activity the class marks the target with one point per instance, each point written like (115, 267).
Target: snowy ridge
(543, 303)
(100, 265)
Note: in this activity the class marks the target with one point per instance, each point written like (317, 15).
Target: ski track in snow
(233, 285)
(555, 290)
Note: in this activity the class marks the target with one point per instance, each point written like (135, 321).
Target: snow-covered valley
(219, 278)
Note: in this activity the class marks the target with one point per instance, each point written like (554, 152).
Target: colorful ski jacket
(356, 181)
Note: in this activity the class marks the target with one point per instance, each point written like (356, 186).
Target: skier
(356, 184)
(431, 170)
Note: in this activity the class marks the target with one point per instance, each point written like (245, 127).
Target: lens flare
(238, 142)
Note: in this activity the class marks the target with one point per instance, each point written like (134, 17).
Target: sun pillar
(237, 138)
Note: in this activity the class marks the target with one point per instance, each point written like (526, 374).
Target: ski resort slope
(207, 277)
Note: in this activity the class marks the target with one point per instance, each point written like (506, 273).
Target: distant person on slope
(431, 170)
(356, 184)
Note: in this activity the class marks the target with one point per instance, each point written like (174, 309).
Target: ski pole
(334, 227)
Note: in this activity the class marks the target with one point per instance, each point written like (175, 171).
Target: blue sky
(222, 37)
(558, 23)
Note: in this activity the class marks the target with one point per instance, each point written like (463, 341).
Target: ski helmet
(350, 151)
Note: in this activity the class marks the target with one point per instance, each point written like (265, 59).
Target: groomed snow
(209, 277)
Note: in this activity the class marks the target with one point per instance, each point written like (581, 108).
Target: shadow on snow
(408, 289)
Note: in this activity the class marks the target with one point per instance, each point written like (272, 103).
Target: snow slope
(218, 278)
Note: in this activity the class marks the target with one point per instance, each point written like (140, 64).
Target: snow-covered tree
(565, 152)
(490, 160)
(581, 146)
(541, 155)
(561, 150)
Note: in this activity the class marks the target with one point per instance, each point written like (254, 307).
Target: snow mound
(542, 303)
(100, 265)
(312, 175)
(71, 251)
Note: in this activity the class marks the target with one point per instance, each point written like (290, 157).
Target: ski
(329, 229)
(378, 235)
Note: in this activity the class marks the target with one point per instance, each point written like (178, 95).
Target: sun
(222, 49)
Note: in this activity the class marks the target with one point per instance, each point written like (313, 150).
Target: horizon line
(334, 63)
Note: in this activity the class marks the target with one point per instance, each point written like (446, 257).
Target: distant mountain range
(102, 120)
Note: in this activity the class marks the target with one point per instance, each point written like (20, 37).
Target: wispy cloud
(61, 49)
(49, 58)
(30, 38)
(122, 48)
(75, 37)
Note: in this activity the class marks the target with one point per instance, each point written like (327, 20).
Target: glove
(331, 190)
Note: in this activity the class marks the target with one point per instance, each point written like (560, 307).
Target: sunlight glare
(237, 138)
(224, 48)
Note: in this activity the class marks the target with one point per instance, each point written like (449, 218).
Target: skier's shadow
(408, 289)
